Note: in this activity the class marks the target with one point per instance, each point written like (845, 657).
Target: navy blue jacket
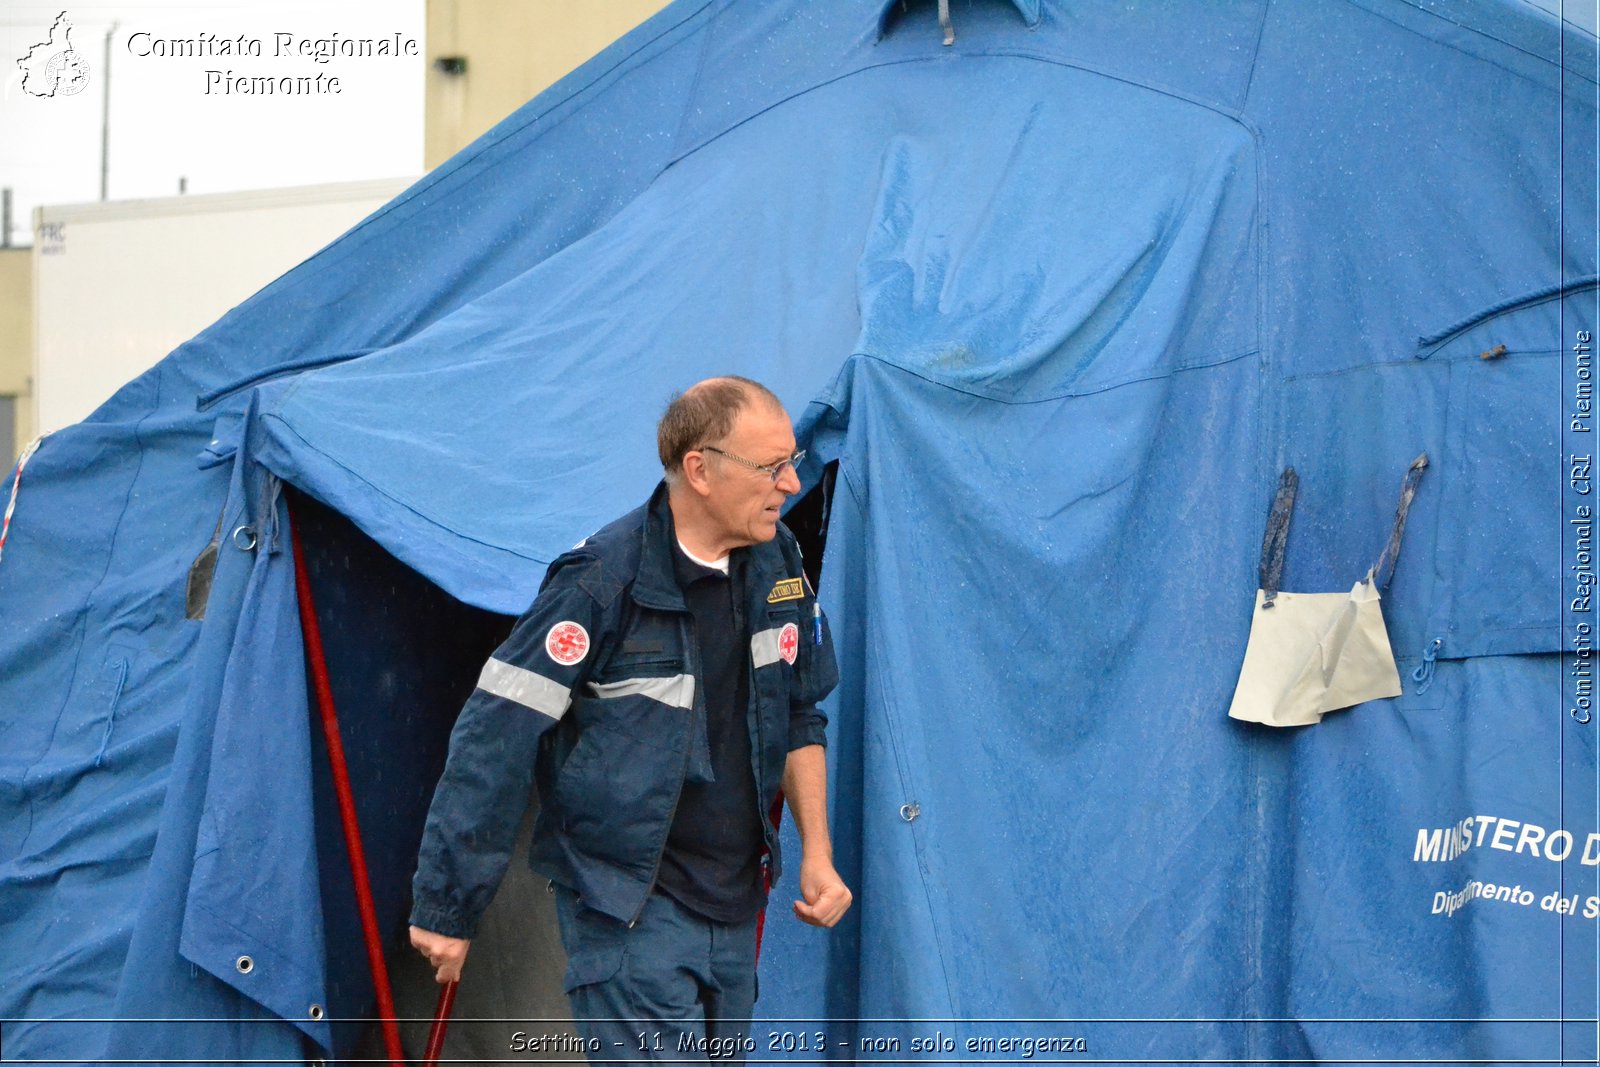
(598, 687)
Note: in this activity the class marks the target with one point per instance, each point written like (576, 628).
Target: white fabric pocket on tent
(1312, 653)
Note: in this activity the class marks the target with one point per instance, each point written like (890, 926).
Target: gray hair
(704, 413)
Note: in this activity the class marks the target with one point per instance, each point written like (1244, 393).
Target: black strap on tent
(1276, 539)
(197, 591)
(1383, 570)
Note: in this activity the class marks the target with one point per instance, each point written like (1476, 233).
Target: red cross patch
(789, 642)
(567, 643)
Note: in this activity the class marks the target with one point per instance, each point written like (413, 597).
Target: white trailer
(117, 286)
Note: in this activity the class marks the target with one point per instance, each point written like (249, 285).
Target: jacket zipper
(699, 695)
(758, 758)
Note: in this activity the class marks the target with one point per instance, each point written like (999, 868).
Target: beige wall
(514, 49)
(16, 341)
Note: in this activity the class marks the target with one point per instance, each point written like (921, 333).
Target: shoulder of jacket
(616, 540)
(605, 563)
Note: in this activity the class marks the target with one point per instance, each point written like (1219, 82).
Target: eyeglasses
(774, 471)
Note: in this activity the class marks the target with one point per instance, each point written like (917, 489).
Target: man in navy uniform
(660, 691)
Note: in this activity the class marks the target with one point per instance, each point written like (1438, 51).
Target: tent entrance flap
(402, 657)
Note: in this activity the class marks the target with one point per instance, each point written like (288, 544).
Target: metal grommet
(247, 534)
(244, 964)
(550, 887)
(315, 1013)
(909, 812)
(1582, 716)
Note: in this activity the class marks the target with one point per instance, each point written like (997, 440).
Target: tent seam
(1054, 397)
(1268, 398)
(1413, 361)
(83, 612)
(1557, 68)
(850, 482)
(1255, 56)
(694, 86)
(1232, 114)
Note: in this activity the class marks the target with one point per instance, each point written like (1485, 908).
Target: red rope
(347, 802)
(441, 1021)
(16, 484)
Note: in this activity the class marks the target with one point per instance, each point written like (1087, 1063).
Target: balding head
(704, 414)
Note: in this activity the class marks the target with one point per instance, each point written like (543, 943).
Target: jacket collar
(656, 585)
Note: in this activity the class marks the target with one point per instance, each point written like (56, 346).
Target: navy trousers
(674, 986)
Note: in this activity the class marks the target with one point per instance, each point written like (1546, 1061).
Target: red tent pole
(441, 1022)
(318, 663)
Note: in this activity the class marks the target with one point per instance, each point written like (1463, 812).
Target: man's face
(742, 501)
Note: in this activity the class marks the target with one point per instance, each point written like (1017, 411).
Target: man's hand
(827, 898)
(445, 954)
(805, 787)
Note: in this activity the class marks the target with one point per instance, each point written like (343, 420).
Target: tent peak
(891, 11)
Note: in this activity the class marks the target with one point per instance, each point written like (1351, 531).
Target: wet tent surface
(1061, 301)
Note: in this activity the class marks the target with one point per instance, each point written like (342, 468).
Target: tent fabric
(1060, 300)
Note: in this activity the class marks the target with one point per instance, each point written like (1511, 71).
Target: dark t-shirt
(712, 863)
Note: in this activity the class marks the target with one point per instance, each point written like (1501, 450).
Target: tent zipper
(1431, 343)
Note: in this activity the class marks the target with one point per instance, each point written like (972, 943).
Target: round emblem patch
(789, 642)
(567, 643)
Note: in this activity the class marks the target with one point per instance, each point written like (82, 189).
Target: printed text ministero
(1508, 835)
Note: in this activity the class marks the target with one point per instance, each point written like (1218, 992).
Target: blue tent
(1060, 299)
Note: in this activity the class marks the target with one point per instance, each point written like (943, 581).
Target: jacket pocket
(615, 794)
(591, 965)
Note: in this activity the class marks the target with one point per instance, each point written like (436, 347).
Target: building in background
(16, 351)
(119, 285)
(486, 58)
